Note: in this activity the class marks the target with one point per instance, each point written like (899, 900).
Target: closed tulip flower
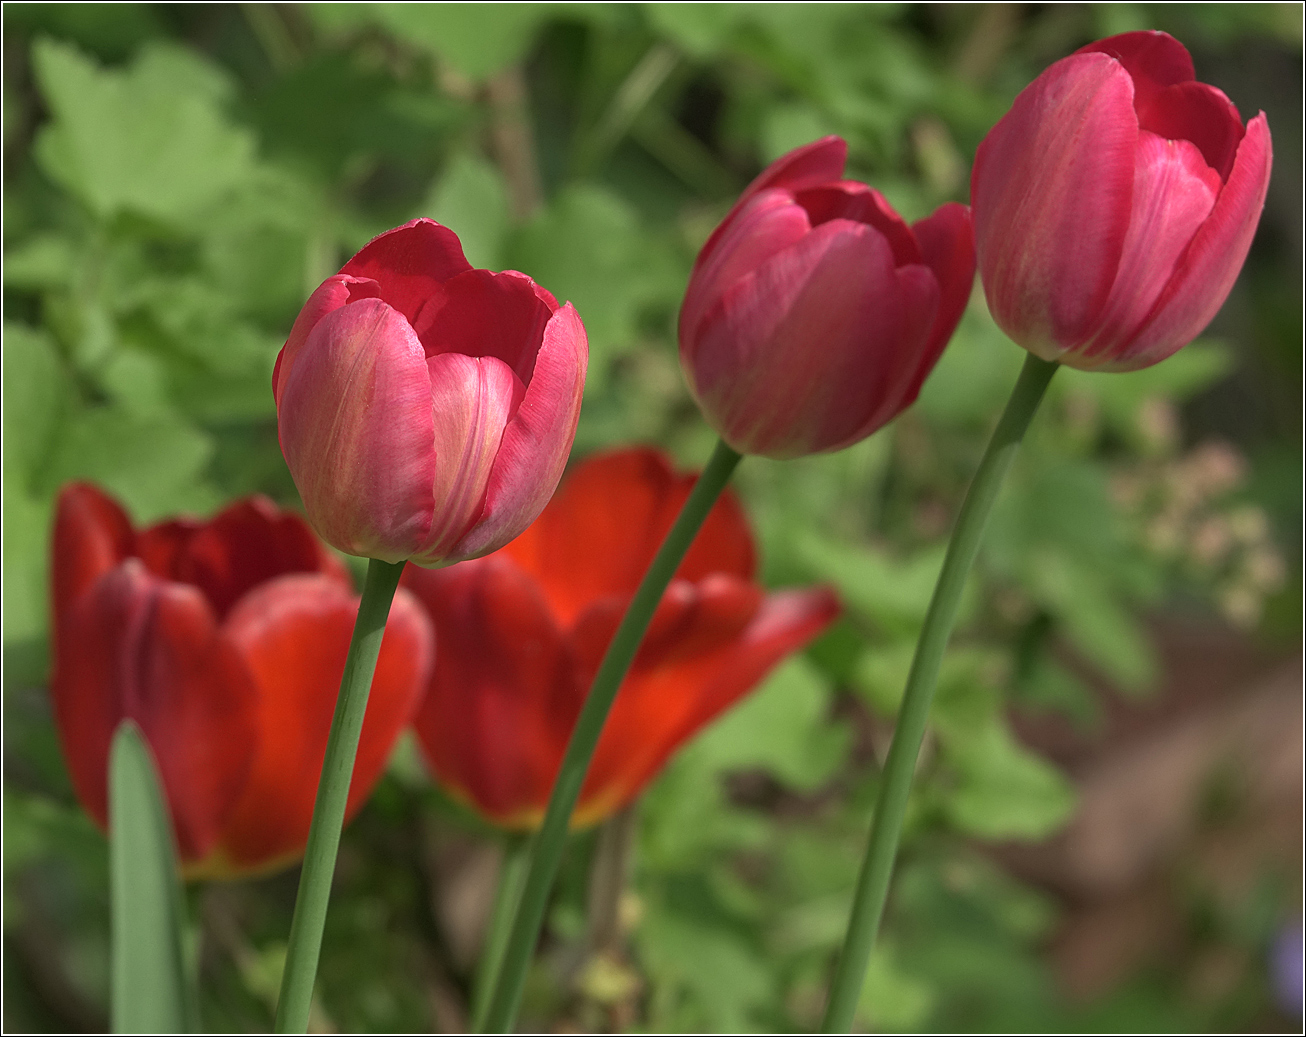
(224, 640)
(523, 631)
(426, 409)
(1115, 204)
(814, 312)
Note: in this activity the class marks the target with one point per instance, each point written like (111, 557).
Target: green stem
(891, 804)
(547, 850)
(332, 793)
(512, 875)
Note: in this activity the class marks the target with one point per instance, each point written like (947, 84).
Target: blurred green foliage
(179, 178)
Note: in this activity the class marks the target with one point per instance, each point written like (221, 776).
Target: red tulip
(1115, 204)
(523, 631)
(225, 641)
(814, 313)
(426, 409)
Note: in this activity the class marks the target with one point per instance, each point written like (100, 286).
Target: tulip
(523, 631)
(426, 409)
(225, 641)
(814, 312)
(1115, 204)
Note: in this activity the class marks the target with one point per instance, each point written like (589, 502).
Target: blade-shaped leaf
(149, 976)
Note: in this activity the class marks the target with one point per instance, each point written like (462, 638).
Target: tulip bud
(1115, 204)
(426, 409)
(814, 312)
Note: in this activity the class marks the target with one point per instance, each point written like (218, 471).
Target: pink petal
(1174, 191)
(947, 244)
(356, 430)
(336, 291)
(481, 313)
(1050, 192)
(850, 200)
(796, 356)
(1207, 270)
(817, 163)
(410, 263)
(1154, 60)
(537, 440)
(1199, 113)
(767, 223)
(472, 400)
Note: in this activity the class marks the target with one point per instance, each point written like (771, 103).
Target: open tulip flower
(1115, 203)
(814, 312)
(426, 409)
(523, 631)
(224, 640)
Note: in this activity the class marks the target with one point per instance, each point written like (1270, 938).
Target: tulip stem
(512, 873)
(546, 852)
(895, 780)
(332, 794)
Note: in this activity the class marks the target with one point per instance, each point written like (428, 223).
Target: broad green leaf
(891, 999)
(784, 726)
(476, 39)
(700, 29)
(472, 200)
(150, 992)
(35, 396)
(151, 138)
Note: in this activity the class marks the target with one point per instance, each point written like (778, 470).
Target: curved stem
(891, 804)
(547, 850)
(512, 874)
(332, 793)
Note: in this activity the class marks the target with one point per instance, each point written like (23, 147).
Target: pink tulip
(814, 312)
(426, 409)
(1115, 204)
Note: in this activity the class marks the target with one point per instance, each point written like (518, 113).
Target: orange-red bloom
(523, 630)
(225, 641)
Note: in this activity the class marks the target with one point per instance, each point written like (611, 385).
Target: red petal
(597, 536)
(333, 293)
(850, 200)
(293, 633)
(1198, 113)
(92, 534)
(150, 651)
(1154, 60)
(658, 710)
(503, 695)
(410, 263)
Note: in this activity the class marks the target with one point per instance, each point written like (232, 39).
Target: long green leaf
(149, 976)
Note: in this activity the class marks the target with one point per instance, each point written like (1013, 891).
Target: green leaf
(784, 726)
(476, 39)
(472, 200)
(150, 990)
(152, 138)
(891, 999)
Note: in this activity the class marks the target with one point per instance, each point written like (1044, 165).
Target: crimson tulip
(814, 312)
(1115, 203)
(523, 631)
(225, 641)
(426, 409)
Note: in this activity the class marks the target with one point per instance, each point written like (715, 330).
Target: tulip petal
(333, 293)
(850, 200)
(1174, 191)
(766, 223)
(293, 633)
(597, 536)
(659, 709)
(1051, 213)
(487, 314)
(92, 534)
(411, 263)
(1207, 270)
(1198, 113)
(1154, 60)
(150, 651)
(504, 672)
(356, 430)
(794, 358)
(536, 441)
(472, 400)
(244, 545)
(819, 162)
